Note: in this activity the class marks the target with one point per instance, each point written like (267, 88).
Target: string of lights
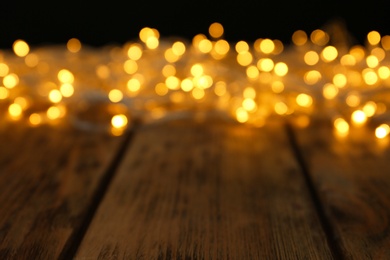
(153, 78)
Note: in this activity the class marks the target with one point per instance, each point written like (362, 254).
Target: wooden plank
(351, 177)
(48, 177)
(206, 191)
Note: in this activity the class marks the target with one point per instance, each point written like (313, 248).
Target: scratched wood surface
(48, 178)
(352, 177)
(206, 191)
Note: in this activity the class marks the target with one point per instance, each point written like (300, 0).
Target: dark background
(110, 22)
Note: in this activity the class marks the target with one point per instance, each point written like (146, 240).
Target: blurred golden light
(119, 121)
(4, 69)
(130, 66)
(373, 37)
(329, 53)
(267, 46)
(311, 58)
(73, 45)
(65, 76)
(11, 80)
(216, 30)
(115, 95)
(382, 131)
(299, 37)
(20, 48)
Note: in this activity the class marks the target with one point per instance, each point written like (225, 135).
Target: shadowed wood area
(352, 177)
(48, 177)
(206, 191)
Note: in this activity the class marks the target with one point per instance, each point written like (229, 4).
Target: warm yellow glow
(11, 80)
(267, 46)
(73, 45)
(198, 93)
(168, 70)
(147, 33)
(55, 96)
(299, 37)
(216, 30)
(249, 92)
(22, 102)
(197, 70)
(135, 51)
(265, 64)
(203, 81)
(161, 89)
(119, 121)
(311, 58)
(178, 48)
(20, 48)
(4, 69)
(330, 91)
(102, 71)
(197, 38)
(372, 61)
(277, 87)
(67, 89)
(205, 46)
(348, 60)
(358, 52)
(222, 47)
(249, 104)
(244, 58)
(242, 47)
(279, 47)
(152, 42)
(385, 42)
(329, 53)
(312, 77)
(187, 85)
(281, 108)
(242, 115)
(35, 119)
(302, 121)
(370, 108)
(339, 80)
(341, 125)
(65, 76)
(15, 110)
(53, 113)
(133, 85)
(252, 72)
(220, 88)
(382, 131)
(384, 72)
(115, 95)
(4, 93)
(170, 56)
(130, 66)
(358, 117)
(304, 100)
(370, 77)
(352, 100)
(373, 37)
(379, 53)
(31, 60)
(319, 37)
(281, 69)
(172, 82)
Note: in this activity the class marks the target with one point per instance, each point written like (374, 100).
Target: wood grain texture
(206, 191)
(48, 175)
(352, 177)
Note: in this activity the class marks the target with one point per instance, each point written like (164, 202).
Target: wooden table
(191, 189)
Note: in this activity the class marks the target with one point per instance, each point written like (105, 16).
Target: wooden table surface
(189, 189)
